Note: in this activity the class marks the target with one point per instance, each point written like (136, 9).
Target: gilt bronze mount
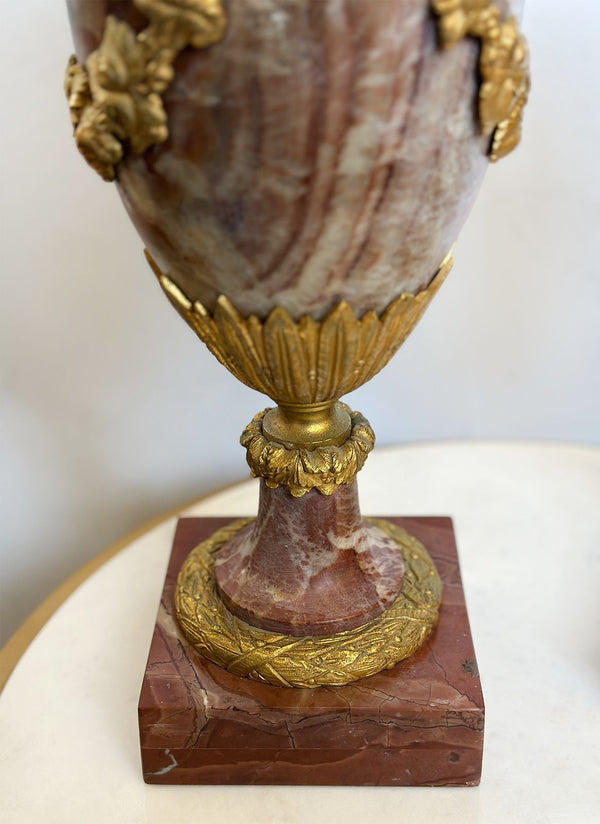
(314, 661)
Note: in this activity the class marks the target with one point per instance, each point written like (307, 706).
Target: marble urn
(298, 172)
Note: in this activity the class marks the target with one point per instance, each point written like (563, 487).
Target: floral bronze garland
(503, 66)
(116, 96)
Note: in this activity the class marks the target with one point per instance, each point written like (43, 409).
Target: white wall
(112, 411)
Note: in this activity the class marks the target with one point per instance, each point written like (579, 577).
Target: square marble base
(420, 723)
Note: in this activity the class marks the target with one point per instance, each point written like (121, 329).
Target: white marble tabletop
(527, 518)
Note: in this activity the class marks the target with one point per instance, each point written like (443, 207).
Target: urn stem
(308, 426)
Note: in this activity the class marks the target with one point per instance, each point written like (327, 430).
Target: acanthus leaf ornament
(305, 366)
(503, 66)
(116, 97)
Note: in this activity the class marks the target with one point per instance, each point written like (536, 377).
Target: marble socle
(420, 723)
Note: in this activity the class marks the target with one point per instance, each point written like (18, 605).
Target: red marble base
(420, 723)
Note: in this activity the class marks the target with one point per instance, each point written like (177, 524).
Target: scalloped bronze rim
(285, 661)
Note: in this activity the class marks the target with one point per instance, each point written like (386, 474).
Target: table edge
(17, 644)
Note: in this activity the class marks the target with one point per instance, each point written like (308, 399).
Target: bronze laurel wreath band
(331, 660)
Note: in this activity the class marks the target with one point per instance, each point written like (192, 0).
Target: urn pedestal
(418, 724)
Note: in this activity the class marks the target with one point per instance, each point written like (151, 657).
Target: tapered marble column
(310, 565)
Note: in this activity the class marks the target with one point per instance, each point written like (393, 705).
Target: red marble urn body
(319, 151)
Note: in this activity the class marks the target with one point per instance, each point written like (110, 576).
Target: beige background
(111, 411)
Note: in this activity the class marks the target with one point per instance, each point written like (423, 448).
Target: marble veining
(420, 723)
(310, 565)
(320, 151)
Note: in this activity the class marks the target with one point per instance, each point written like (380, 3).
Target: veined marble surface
(309, 565)
(321, 151)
